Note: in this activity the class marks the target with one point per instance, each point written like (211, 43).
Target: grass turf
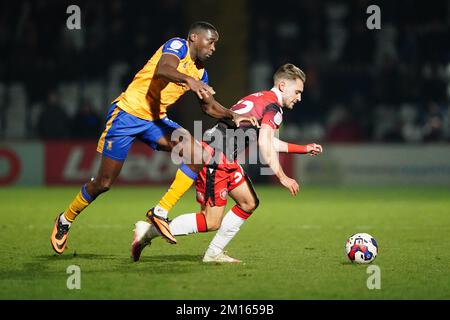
(292, 248)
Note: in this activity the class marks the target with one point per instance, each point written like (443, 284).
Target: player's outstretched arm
(167, 69)
(270, 156)
(312, 149)
(214, 109)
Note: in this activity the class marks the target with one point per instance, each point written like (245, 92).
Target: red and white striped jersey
(264, 106)
(226, 138)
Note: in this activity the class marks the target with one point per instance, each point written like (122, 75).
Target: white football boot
(143, 235)
(210, 256)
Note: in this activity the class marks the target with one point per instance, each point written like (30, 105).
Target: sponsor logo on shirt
(176, 44)
(278, 118)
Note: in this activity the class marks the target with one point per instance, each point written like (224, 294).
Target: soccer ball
(361, 248)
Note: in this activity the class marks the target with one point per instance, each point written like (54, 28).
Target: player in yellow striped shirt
(140, 113)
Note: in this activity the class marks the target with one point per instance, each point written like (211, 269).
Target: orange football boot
(59, 235)
(162, 225)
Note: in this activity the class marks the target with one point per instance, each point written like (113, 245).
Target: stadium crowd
(387, 85)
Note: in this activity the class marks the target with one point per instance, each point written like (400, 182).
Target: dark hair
(201, 26)
(290, 72)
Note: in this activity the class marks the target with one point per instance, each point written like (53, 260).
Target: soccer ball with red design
(361, 248)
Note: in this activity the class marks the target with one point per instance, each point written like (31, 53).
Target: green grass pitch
(292, 248)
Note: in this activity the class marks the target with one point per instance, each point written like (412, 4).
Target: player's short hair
(201, 26)
(289, 71)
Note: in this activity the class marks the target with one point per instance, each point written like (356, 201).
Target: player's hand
(206, 96)
(200, 88)
(290, 184)
(314, 149)
(237, 119)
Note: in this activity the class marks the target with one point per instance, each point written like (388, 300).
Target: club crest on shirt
(223, 194)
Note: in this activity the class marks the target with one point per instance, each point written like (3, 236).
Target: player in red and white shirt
(223, 176)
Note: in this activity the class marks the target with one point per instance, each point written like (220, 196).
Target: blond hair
(289, 71)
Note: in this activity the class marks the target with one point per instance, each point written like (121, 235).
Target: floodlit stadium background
(377, 100)
(369, 92)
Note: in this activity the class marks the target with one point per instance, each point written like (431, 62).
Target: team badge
(224, 194)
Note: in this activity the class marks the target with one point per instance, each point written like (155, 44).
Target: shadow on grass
(174, 258)
(55, 266)
(90, 262)
(171, 258)
(357, 265)
(74, 256)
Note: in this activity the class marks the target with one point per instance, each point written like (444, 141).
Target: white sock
(161, 212)
(64, 221)
(184, 224)
(230, 226)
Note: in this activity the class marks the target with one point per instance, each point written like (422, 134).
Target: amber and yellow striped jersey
(148, 98)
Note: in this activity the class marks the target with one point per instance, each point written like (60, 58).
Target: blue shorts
(123, 128)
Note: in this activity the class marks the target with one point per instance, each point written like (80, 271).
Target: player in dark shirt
(223, 175)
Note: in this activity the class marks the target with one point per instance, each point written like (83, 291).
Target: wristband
(295, 148)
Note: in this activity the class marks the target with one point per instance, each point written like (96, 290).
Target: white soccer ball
(361, 248)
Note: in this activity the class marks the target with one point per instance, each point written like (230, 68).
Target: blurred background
(366, 90)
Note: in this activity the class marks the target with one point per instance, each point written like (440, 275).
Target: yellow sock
(81, 201)
(184, 179)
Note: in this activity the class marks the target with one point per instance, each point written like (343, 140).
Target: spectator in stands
(343, 127)
(433, 128)
(53, 122)
(406, 62)
(86, 124)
